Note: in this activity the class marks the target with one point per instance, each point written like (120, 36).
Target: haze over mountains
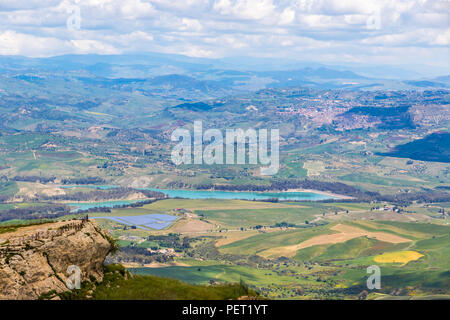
(136, 91)
(98, 128)
(244, 73)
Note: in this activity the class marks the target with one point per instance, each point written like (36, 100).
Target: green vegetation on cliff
(119, 284)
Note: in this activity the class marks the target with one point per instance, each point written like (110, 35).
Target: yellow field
(398, 257)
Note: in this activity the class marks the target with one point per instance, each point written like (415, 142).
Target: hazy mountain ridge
(151, 65)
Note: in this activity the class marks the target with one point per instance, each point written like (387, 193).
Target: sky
(396, 32)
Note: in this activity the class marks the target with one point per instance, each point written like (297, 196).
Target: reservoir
(241, 195)
(203, 194)
(100, 204)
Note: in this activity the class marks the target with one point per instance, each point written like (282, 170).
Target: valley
(363, 175)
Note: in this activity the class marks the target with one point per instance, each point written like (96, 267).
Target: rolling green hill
(434, 147)
(119, 284)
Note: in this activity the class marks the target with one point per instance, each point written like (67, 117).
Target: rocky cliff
(34, 260)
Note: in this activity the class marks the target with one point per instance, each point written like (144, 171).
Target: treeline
(118, 206)
(87, 180)
(133, 253)
(47, 211)
(152, 194)
(4, 198)
(138, 255)
(405, 199)
(33, 179)
(99, 195)
(77, 181)
(172, 240)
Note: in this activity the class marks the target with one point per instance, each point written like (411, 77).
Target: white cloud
(13, 43)
(421, 37)
(191, 24)
(8, 5)
(134, 9)
(194, 51)
(245, 9)
(93, 46)
(303, 29)
(287, 16)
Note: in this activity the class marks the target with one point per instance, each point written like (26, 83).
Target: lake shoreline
(325, 193)
(331, 195)
(298, 190)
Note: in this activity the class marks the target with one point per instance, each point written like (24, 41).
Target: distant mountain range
(78, 91)
(247, 74)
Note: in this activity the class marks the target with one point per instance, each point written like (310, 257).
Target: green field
(252, 217)
(8, 188)
(264, 241)
(318, 270)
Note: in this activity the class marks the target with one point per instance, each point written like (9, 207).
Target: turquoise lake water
(204, 194)
(104, 204)
(209, 194)
(161, 221)
(244, 195)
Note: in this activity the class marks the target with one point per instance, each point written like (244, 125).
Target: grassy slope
(265, 241)
(253, 217)
(8, 188)
(118, 284)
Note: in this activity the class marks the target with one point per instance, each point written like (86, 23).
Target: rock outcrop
(34, 260)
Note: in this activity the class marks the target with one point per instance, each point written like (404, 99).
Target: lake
(161, 221)
(241, 195)
(104, 204)
(202, 194)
